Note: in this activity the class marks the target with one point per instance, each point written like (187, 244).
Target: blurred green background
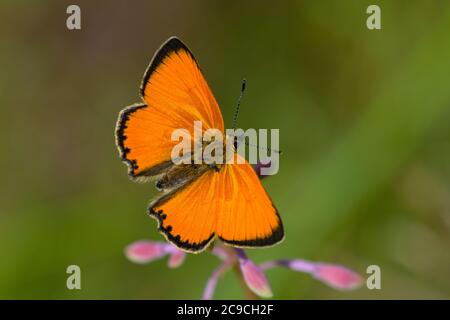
(364, 126)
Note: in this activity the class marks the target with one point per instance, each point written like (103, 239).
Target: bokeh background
(364, 124)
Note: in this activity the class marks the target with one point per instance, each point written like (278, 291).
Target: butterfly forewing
(175, 95)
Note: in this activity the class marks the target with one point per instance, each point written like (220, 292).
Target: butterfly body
(201, 200)
(179, 175)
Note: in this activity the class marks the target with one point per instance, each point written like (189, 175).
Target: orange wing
(175, 95)
(248, 217)
(231, 204)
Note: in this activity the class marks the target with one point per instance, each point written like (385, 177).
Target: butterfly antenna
(236, 113)
(238, 104)
(262, 148)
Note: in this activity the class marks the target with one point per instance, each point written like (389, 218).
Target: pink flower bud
(145, 251)
(254, 278)
(337, 277)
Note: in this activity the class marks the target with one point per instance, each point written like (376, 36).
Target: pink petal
(176, 259)
(337, 277)
(255, 278)
(220, 252)
(145, 251)
(212, 281)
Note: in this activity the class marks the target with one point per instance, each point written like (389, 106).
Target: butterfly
(199, 202)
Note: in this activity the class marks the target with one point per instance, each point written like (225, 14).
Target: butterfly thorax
(212, 155)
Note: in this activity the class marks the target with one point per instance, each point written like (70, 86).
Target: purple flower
(251, 275)
(258, 166)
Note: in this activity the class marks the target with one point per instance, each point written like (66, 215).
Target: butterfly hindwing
(248, 218)
(230, 203)
(186, 215)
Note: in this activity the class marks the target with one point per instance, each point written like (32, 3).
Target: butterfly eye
(215, 167)
(235, 142)
(159, 185)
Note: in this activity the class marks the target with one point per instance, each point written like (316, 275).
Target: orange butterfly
(199, 202)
